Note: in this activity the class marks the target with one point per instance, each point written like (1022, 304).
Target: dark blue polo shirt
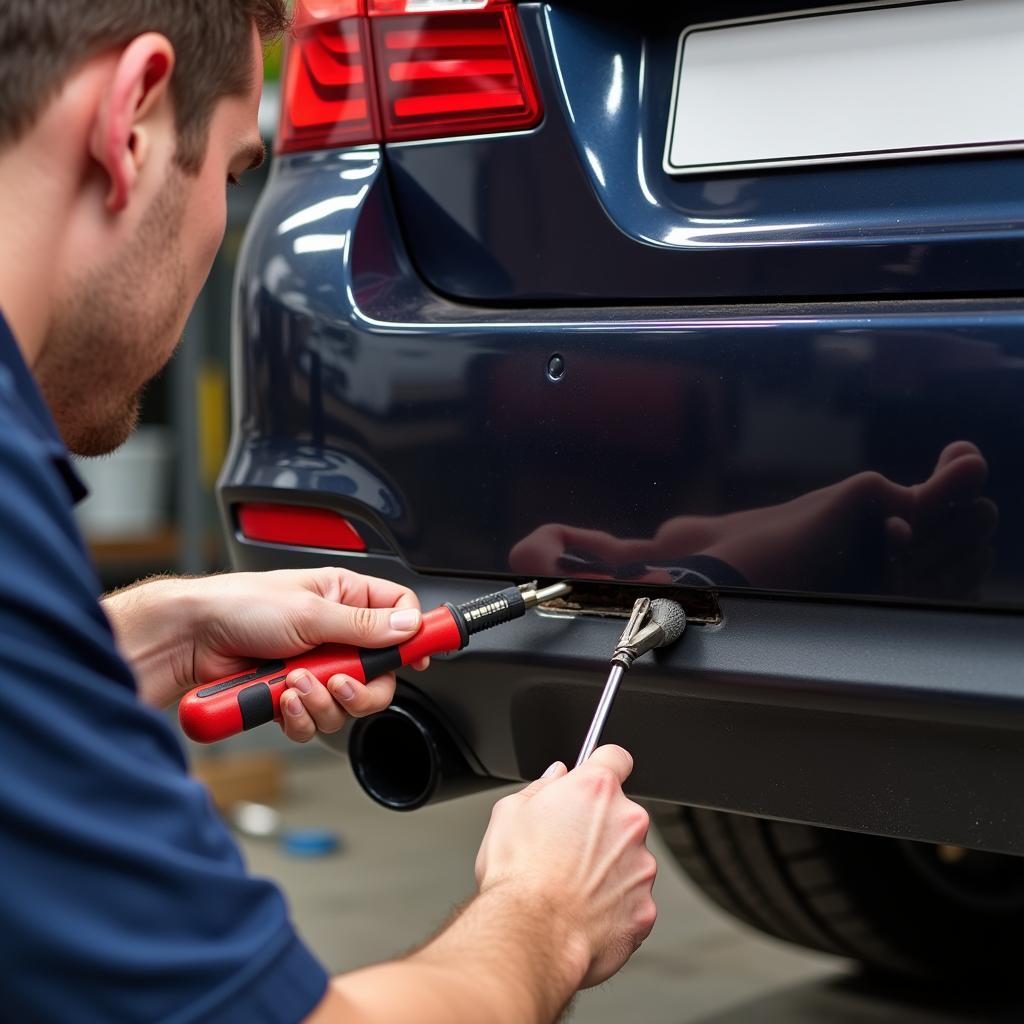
(122, 895)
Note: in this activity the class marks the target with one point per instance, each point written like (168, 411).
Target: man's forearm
(507, 958)
(151, 622)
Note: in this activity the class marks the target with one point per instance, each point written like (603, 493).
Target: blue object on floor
(310, 842)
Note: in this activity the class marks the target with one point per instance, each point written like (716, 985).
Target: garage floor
(398, 875)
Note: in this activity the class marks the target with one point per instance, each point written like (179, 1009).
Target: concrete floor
(398, 876)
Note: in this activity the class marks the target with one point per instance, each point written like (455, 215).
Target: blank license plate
(867, 83)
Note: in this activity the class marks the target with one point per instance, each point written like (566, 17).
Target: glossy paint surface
(580, 211)
(439, 423)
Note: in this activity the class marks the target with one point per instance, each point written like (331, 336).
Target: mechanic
(123, 896)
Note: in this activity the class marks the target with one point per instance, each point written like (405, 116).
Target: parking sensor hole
(556, 367)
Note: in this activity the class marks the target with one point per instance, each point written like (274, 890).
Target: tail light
(327, 95)
(386, 70)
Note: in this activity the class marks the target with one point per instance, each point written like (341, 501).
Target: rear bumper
(898, 722)
(354, 388)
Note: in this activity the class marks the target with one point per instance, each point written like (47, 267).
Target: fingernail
(408, 618)
(552, 770)
(304, 683)
(293, 706)
(344, 690)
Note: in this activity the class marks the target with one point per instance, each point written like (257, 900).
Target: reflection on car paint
(657, 425)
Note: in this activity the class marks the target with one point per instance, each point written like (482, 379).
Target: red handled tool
(214, 711)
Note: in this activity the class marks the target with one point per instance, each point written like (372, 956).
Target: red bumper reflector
(300, 526)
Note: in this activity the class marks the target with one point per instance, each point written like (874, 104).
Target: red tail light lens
(443, 67)
(454, 73)
(327, 96)
(300, 526)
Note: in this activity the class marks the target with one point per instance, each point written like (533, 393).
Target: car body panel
(606, 224)
(392, 363)
(662, 412)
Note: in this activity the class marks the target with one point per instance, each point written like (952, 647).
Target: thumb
(328, 622)
(555, 771)
(619, 760)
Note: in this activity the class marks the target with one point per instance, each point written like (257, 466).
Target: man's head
(121, 121)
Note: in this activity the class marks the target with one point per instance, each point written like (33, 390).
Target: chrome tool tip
(534, 596)
(671, 617)
(652, 624)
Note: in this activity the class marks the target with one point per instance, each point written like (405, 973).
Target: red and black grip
(225, 707)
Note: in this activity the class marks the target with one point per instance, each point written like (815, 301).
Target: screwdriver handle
(215, 710)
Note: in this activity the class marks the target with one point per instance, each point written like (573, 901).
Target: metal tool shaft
(652, 624)
(534, 596)
(604, 706)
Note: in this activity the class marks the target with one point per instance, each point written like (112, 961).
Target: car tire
(899, 908)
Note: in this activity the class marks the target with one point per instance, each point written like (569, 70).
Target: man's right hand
(565, 882)
(577, 844)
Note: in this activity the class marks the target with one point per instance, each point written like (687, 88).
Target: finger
(539, 550)
(360, 700)
(358, 589)
(957, 450)
(295, 719)
(539, 553)
(655, 577)
(619, 760)
(555, 771)
(898, 533)
(956, 480)
(874, 493)
(327, 622)
(421, 665)
(316, 699)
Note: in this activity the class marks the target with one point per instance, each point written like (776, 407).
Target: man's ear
(122, 135)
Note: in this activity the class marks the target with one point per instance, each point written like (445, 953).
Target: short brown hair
(43, 41)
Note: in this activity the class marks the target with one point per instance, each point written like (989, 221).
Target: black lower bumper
(894, 721)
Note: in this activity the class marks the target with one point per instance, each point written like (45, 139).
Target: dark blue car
(719, 301)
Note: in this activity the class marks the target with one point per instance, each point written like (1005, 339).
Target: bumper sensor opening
(615, 601)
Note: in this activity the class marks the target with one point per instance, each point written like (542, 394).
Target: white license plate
(853, 83)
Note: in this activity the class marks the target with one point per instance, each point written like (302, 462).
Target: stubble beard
(115, 330)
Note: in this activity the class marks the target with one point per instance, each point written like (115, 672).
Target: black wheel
(936, 912)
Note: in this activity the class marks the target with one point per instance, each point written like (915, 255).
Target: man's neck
(29, 248)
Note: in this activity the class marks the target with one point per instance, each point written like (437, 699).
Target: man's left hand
(178, 633)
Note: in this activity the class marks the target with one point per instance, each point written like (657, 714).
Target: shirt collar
(35, 415)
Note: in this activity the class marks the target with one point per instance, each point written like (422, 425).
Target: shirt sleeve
(123, 897)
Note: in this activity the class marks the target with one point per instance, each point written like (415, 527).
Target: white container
(128, 489)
